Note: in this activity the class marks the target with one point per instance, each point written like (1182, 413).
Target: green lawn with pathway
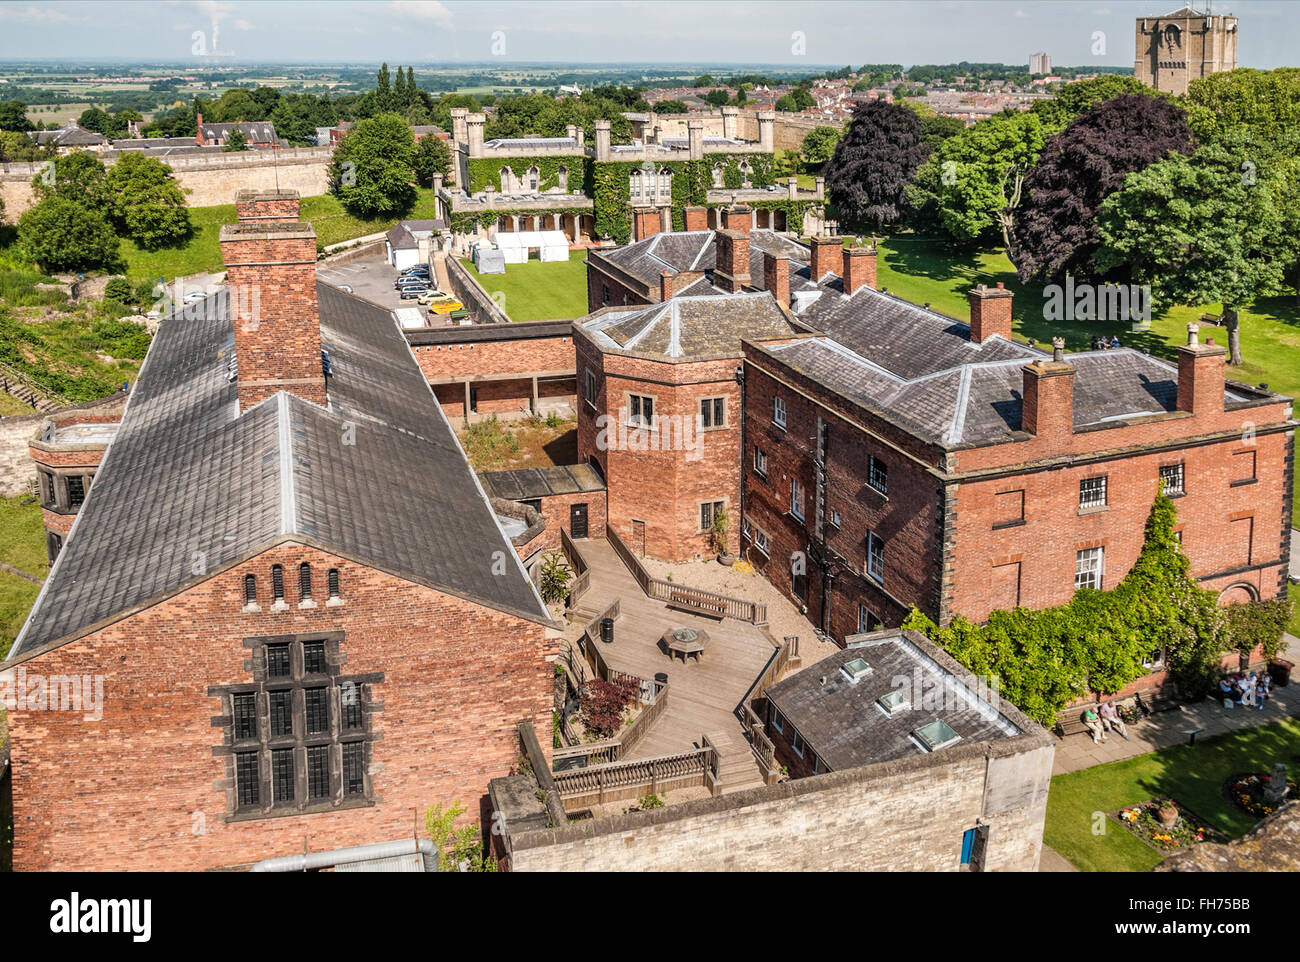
(537, 290)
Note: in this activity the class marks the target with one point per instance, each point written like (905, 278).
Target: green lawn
(203, 251)
(22, 544)
(1192, 775)
(538, 291)
(922, 270)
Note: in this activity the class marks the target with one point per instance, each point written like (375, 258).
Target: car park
(445, 305)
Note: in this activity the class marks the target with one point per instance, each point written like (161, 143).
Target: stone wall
(789, 130)
(208, 179)
(907, 815)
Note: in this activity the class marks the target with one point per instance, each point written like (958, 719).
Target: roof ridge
(284, 441)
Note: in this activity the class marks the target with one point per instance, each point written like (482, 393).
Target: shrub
(555, 578)
(601, 705)
(118, 289)
(1258, 624)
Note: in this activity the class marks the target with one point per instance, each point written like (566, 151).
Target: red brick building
(286, 617)
(908, 459)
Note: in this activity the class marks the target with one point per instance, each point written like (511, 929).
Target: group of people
(1105, 718)
(1101, 342)
(1249, 691)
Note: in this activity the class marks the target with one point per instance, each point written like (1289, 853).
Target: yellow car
(445, 306)
(430, 297)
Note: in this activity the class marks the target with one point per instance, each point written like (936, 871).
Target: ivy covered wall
(485, 172)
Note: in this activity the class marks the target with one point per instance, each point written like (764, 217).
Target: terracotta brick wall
(457, 680)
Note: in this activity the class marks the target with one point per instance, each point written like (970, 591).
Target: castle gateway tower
(1174, 50)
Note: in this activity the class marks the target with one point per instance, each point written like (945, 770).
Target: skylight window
(856, 670)
(892, 702)
(935, 735)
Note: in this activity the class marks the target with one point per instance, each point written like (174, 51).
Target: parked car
(193, 296)
(431, 295)
(417, 269)
(410, 293)
(411, 286)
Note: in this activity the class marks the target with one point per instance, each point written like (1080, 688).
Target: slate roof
(73, 135)
(528, 483)
(189, 483)
(692, 327)
(844, 726)
(695, 251)
(260, 131)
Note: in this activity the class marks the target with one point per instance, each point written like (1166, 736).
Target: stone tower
(1174, 50)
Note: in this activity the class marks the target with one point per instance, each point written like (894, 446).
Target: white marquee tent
(551, 245)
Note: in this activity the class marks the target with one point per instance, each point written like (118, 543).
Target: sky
(664, 31)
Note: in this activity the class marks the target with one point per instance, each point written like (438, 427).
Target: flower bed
(1246, 792)
(1189, 830)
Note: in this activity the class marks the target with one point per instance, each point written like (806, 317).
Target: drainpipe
(359, 853)
(740, 536)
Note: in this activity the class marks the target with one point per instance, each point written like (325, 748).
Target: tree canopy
(868, 174)
(79, 177)
(62, 235)
(147, 205)
(373, 167)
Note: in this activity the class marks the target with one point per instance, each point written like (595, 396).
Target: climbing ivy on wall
(1045, 659)
(466, 222)
(485, 172)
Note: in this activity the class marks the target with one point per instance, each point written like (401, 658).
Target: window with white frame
(796, 499)
(758, 537)
(708, 511)
(778, 411)
(1092, 492)
(591, 387)
(796, 742)
(1171, 479)
(641, 410)
(1089, 567)
(760, 461)
(878, 474)
(867, 620)
(778, 722)
(875, 556)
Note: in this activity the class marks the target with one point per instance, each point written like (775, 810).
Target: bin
(1281, 671)
(607, 631)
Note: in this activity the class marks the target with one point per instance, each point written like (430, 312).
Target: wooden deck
(703, 696)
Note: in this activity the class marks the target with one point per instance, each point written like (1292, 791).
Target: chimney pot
(776, 277)
(1058, 350)
(990, 313)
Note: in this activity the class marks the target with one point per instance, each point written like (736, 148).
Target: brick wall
(457, 679)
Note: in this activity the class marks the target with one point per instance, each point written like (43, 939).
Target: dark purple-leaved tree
(874, 162)
(1055, 231)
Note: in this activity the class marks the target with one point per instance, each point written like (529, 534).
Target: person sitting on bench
(1110, 719)
(1091, 722)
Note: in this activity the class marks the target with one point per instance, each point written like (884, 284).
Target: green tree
(13, 117)
(79, 177)
(1265, 102)
(819, 144)
(373, 167)
(802, 99)
(971, 186)
(62, 235)
(383, 90)
(1073, 99)
(786, 104)
(148, 205)
(459, 849)
(670, 107)
(1200, 230)
(432, 156)
(716, 98)
(235, 141)
(118, 289)
(555, 578)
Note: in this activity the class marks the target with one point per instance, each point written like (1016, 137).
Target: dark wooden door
(578, 520)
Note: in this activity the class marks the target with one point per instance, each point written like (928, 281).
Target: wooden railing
(696, 600)
(581, 570)
(582, 787)
(764, 751)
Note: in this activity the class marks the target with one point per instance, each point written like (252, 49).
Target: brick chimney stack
(1047, 402)
(731, 268)
(198, 130)
(696, 218)
(1200, 374)
(665, 285)
(252, 206)
(271, 272)
(737, 217)
(646, 222)
(859, 268)
(990, 312)
(827, 256)
(776, 277)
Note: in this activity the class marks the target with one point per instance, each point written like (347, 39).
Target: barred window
(245, 714)
(277, 583)
(350, 702)
(282, 775)
(1089, 567)
(281, 705)
(247, 779)
(313, 657)
(878, 474)
(304, 582)
(1171, 479)
(318, 771)
(317, 708)
(76, 491)
(333, 580)
(354, 774)
(1092, 492)
(277, 661)
(250, 590)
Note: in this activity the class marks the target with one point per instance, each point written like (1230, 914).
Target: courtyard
(538, 291)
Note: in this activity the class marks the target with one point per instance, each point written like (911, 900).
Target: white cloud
(242, 24)
(428, 11)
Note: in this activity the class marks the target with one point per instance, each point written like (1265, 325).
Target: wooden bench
(710, 609)
(1161, 698)
(1071, 722)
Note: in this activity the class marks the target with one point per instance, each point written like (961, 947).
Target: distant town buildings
(1040, 64)
(1174, 50)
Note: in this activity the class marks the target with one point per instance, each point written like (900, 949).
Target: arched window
(277, 583)
(563, 176)
(745, 171)
(507, 176)
(304, 582)
(665, 184)
(717, 176)
(250, 590)
(534, 177)
(634, 184)
(334, 582)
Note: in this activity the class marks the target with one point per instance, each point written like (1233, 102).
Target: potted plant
(718, 530)
(555, 578)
